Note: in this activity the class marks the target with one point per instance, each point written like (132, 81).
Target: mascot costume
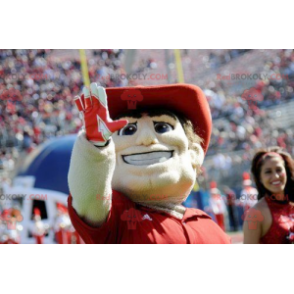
(129, 176)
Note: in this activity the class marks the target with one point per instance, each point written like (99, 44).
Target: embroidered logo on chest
(147, 217)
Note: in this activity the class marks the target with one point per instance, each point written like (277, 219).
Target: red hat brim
(188, 100)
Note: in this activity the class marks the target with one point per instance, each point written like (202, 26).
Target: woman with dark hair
(271, 220)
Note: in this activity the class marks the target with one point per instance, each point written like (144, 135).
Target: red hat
(61, 207)
(6, 214)
(188, 100)
(37, 212)
(213, 185)
(246, 179)
(213, 188)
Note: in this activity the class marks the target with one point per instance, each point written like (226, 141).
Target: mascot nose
(146, 137)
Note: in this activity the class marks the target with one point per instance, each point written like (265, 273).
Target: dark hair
(186, 123)
(257, 162)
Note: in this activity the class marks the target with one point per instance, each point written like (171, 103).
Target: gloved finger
(102, 96)
(79, 103)
(99, 95)
(117, 125)
(88, 99)
(83, 101)
(94, 94)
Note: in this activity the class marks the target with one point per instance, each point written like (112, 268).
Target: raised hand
(93, 107)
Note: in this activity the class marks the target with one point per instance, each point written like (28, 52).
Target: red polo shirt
(129, 223)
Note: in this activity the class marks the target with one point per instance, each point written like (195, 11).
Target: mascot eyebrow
(151, 112)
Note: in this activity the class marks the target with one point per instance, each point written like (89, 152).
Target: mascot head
(160, 151)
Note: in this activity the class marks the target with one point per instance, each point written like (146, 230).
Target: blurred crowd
(222, 56)
(274, 85)
(240, 128)
(239, 125)
(48, 82)
(45, 106)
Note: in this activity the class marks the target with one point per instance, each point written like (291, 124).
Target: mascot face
(153, 158)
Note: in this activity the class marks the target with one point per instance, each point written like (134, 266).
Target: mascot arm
(93, 157)
(89, 178)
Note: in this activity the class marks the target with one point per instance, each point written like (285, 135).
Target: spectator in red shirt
(271, 220)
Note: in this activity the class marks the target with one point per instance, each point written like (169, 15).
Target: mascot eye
(128, 130)
(162, 127)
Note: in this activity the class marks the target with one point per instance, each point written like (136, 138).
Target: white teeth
(163, 159)
(276, 183)
(148, 158)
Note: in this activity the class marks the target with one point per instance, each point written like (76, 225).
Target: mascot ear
(197, 155)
